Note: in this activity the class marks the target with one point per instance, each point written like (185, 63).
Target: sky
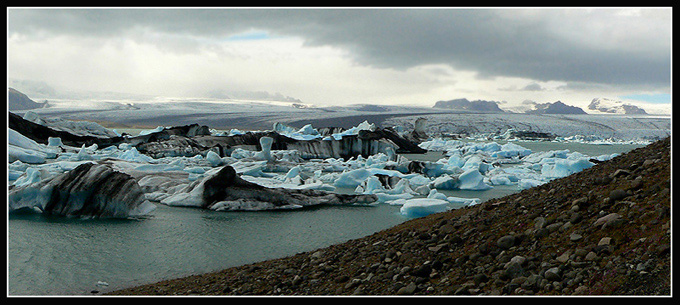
(337, 56)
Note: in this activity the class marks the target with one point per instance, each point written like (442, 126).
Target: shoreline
(471, 251)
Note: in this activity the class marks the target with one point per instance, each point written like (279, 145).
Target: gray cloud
(599, 46)
(533, 87)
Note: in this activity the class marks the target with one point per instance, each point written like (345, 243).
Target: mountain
(464, 104)
(555, 108)
(612, 106)
(19, 101)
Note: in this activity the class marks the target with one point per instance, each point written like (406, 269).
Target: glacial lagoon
(51, 255)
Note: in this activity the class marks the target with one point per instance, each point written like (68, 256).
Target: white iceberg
(472, 180)
(419, 207)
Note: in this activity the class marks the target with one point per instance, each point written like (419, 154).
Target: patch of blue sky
(250, 35)
(659, 98)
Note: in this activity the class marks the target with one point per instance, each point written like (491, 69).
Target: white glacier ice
(469, 165)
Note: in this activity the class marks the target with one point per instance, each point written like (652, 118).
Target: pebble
(574, 237)
(591, 256)
(552, 274)
(617, 194)
(607, 220)
(605, 241)
(408, 289)
(506, 242)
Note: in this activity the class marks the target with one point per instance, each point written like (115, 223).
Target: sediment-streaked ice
(390, 178)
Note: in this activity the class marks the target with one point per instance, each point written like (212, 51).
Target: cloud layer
(622, 48)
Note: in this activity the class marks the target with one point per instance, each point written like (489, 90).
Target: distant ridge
(555, 108)
(465, 104)
(611, 106)
(19, 101)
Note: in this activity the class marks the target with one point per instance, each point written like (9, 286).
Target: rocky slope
(603, 231)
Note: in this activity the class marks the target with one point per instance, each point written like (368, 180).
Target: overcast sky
(342, 56)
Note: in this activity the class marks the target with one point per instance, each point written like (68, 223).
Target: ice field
(477, 162)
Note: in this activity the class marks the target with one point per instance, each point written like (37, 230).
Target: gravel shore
(603, 231)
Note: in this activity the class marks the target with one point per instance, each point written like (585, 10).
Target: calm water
(63, 256)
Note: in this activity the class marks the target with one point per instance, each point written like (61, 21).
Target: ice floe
(285, 179)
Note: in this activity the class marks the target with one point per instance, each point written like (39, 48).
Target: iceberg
(20, 147)
(222, 189)
(564, 167)
(472, 180)
(529, 183)
(510, 150)
(419, 207)
(135, 156)
(445, 182)
(89, 190)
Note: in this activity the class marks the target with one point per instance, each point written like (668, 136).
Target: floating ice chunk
(436, 195)
(234, 131)
(476, 163)
(563, 168)
(354, 130)
(33, 117)
(282, 128)
(135, 156)
(124, 146)
(544, 156)
(27, 149)
(422, 190)
(606, 157)
(308, 130)
(390, 198)
(456, 160)
(485, 147)
(253, 169)
(472, 180)
(439, 144)
(402, 187)
(32, 175)
(82, 155)
(213, 158)
(15, 153)
(435, 169)
(419, 207)
(13, 174)
(528, 183)
(195, 170)
(445, 182)
(81, 128)
(266, 144)
(150, 131)
(309, 184)
(293, 172)
(372, 185)
(463, 201)
(54, 141)
(158, 167)
(510, 150)
(352, 178)
(90, 190)
(500, 180)
(240, 153)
